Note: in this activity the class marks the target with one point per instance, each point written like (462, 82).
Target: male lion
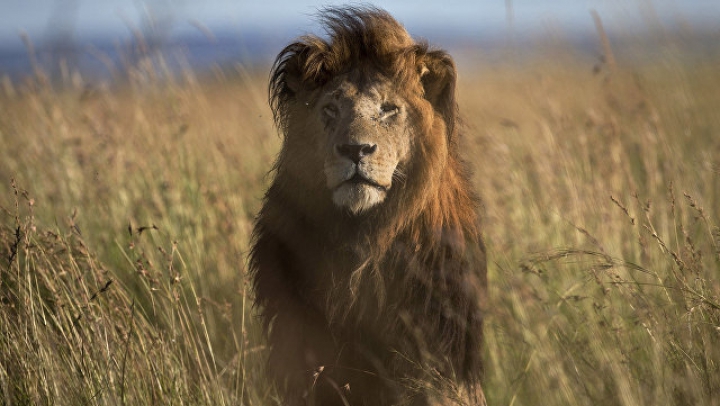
(367, 261)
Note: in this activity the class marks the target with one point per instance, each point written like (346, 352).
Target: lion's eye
(330, 111)
(388, 110)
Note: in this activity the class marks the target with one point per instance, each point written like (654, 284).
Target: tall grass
(123, 274)
(127, 210)
(601, 199)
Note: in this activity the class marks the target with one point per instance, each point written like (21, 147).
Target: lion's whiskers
(399, 176)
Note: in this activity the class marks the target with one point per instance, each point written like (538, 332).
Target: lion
(367, 262)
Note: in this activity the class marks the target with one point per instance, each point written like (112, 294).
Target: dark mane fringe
(355, 36)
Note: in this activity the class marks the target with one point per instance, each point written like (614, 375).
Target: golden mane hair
(392, 297)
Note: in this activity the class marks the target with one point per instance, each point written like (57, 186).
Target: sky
(114, 19)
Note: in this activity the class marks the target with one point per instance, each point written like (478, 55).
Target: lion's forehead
(350, 88)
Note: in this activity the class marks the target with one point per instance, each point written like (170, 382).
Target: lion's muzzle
(352, 175)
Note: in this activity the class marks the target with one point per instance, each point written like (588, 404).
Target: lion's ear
(287, 73)
(293, 66)
(301, 65)
(438, 76)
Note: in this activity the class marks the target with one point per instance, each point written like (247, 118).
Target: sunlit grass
(601, 201)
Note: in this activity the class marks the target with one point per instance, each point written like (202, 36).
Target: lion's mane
(369, 307)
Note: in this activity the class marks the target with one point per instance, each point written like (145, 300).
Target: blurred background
(94, 38)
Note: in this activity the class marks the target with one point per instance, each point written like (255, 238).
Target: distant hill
(106, 58)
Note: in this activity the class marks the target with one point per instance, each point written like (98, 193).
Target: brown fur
(382, 307)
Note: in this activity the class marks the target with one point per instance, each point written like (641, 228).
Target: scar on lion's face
(366, 139)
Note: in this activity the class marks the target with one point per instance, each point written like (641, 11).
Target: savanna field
(126, 211)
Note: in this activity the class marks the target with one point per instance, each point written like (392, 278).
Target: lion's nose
(355, 152)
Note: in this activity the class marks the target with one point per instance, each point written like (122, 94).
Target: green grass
(127, 211)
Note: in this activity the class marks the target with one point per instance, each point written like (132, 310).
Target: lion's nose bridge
(357, 142)
(356, 127)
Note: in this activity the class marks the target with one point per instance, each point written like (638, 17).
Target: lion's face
(365, 139)
(367, 115)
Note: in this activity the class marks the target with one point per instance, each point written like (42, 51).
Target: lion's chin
(358, 197)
